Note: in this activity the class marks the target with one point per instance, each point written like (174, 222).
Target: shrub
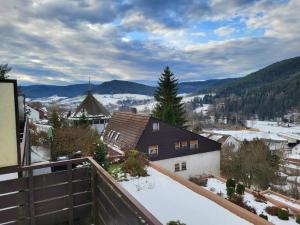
(199, 181)
(101, 155)
(230, 191)
(175, 223)
(239, 200)
(230, 183)
(263, 216)
(298, 219)
(135, 164)
(272, 210)
(240, 188)
(283, 214)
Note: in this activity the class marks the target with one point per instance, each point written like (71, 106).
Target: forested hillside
(269, 92)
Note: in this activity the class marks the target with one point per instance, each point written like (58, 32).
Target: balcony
(75, 191)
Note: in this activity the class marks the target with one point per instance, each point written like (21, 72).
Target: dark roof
(91, 106)
(130, 127)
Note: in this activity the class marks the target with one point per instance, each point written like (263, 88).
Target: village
(138, 112)
(156, 158)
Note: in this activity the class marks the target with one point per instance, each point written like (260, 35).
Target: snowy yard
(216, 186)
(168, 200)
(272, 127)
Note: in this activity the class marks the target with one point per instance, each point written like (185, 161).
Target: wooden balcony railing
(68, 193)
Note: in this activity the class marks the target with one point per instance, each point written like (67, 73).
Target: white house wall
(197, 164)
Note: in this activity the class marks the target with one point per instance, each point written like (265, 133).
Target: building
(96, 114)
(176, 149)
(32, 114)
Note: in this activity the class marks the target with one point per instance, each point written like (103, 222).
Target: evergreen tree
(4, 69)
(55, 120)
(169, 107)
(101, 155)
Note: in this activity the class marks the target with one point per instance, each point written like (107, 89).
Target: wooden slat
(81, 173)
(52, 218)
(70, 197)
(51, 205)
(81, 186)
(50, 179)
(119, 204)
(103, 214)
(50, 192)
(13, 185)
(25, 221)
(116, 216)
(13, 199)
(82, 198)
(12, 214)
(82, 211)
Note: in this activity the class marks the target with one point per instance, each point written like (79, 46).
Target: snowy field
(168, 200)
(273, 127)
(216, 186)
(249, 135)
(282, 200)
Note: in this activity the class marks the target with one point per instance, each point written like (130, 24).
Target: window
(117, 136)
(153, 150)
(194, 144)
(177, 167)
(177, 145)
(111, 135)
(155, 126)
(184, 144)
(183, 166)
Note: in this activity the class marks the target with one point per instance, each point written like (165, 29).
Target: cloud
(62, 42)
(224, 31)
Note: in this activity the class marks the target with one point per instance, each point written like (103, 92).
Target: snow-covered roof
(169, 200)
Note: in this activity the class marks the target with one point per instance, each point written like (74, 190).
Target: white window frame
(175, 167)
(151, 148)
(117, 136)
(155, 126)
(182, 166)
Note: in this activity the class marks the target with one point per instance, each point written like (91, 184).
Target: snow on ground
(249, 135)
(168, 200)
(216, 186)
(285, 201)
(113, 99)
(202, 109)
(273, 127)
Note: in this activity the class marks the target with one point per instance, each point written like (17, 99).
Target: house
(32, 114)
(96, 114)
(174, 148)
(296, 150)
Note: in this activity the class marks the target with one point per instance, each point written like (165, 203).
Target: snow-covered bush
(240, 188)
(175, 223)
(135, 164)
(230, 183)
(230, 191)
(202, 181)
(298, 219)
(263, 216)
(283, 214)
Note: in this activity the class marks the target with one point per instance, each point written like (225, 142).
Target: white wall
(197, 164)
(33, 114)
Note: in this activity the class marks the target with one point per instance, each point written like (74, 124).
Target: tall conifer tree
(169, 107)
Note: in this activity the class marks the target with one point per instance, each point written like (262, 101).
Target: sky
(66, 42)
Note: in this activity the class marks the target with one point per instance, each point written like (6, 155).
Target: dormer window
(155, 126)
(117, 136)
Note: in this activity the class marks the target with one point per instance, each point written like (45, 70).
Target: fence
(68, 194)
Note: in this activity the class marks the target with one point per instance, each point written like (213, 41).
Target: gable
(125, 129)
